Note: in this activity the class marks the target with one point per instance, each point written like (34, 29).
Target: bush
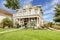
(47, 25)
(7, 22)
(33, 24)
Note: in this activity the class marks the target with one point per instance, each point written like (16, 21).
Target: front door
(25, 22)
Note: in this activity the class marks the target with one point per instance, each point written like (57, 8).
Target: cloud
(23, 2)
(49, 11)
(49, 17)
(49, 8)
(27, 1)
(53, 3)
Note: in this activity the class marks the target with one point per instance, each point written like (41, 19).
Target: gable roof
(6, 12)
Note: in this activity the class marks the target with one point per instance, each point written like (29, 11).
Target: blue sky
(47, 6)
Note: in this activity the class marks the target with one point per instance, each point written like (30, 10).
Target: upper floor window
(29, 10)
(36, 10)
(24, 11)
(40, 9)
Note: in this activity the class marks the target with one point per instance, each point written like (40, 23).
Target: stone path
(11, 30)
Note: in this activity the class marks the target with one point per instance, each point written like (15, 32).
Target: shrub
(7, 22)
(47, 25)
(33, 24)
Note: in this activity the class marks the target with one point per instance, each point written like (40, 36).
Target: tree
(13, 4)
(57, 14)
(7, 22)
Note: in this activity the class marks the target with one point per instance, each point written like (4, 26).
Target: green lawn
(5, 29)
(30, 34)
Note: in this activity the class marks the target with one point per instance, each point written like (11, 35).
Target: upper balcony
(29, 12)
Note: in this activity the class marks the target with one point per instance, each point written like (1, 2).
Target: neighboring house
(5, 14)
(29, 15)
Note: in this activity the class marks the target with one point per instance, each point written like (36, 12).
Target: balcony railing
(22, 14)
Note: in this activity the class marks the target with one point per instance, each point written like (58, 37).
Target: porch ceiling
(27, 16)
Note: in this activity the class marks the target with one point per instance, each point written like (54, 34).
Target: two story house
(29, 16)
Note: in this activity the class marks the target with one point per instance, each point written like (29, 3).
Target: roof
(6, 12)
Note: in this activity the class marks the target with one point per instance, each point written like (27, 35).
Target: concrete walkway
(11, 30)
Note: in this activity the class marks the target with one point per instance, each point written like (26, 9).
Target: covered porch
(29, 22)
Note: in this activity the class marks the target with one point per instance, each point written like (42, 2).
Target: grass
(5, 29)
(31, 34)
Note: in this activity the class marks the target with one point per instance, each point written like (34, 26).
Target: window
(24, 11)
(29, 10)
(36, 10)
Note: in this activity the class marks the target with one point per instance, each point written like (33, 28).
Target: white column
(29, 22)
(19, 21)
(37, 22)
(14, 22)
